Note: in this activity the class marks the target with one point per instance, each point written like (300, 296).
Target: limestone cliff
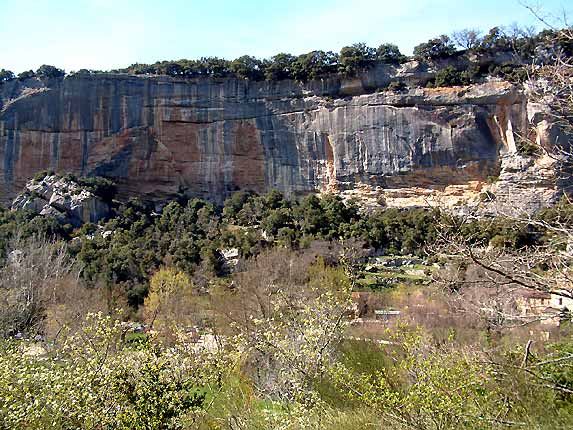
(209, 137)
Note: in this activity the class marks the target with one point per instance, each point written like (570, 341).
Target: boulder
(63, 199)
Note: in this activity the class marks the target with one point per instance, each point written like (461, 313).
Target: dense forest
(190, 234)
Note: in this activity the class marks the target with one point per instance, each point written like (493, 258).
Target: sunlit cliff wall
(157, 136)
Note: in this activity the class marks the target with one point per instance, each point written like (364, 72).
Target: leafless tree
(289, 310)
(467, 38)
(491, 280)
(29, 282)
(550, 88)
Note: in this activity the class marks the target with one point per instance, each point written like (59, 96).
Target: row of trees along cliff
(518, 46)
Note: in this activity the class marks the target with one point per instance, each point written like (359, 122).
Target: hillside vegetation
(465, 57)
(278, 313)
(141, 321)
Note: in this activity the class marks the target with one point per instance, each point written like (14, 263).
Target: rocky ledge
(63, 199)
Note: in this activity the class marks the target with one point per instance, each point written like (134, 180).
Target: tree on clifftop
(247, 67)
(439, 47)
(28, 74)
(48, 72)
(467, 38)
(6, 75)
(390, 54)
(355, 58)
(314, 65)
(279, 67)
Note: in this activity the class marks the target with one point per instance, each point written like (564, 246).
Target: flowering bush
(93, 380)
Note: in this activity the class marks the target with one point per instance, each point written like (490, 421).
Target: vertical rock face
(157, 135)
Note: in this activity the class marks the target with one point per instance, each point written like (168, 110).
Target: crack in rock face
(156, 136)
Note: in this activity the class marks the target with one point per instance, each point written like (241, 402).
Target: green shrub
(354, 58)
(49, 72)
(42, 174)
(440, 47)
(397, 86)
(390, 54)
(449, 77)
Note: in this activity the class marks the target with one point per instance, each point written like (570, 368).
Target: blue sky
(105, 34)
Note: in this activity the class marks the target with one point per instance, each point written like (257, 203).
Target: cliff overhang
(206, 137)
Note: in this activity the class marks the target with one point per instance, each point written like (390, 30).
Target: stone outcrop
(62, 199)
(524, 186)
(156, 136)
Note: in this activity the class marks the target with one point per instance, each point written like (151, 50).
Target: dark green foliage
(312, 219)
(139, 238)
(501, 233)
(397, 86)
(214, 67)
(247, 67)
(26, 75)
(509, 71)
(449, 77)
(88, 72)
(279, 67)
(141, 69)
(472, 74)
(101, 187)
(327, 217)
(206, 66)
(49, 72)
(247, 241)
(439, 47)
(405, 232)
(494, 40)
(314, 65)
(354, 58)
(27, 224)
(274, 199)
(277, 220)
(235, 204)
(6, 75)
(339, 215)
(140, 242)
(390, 54)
